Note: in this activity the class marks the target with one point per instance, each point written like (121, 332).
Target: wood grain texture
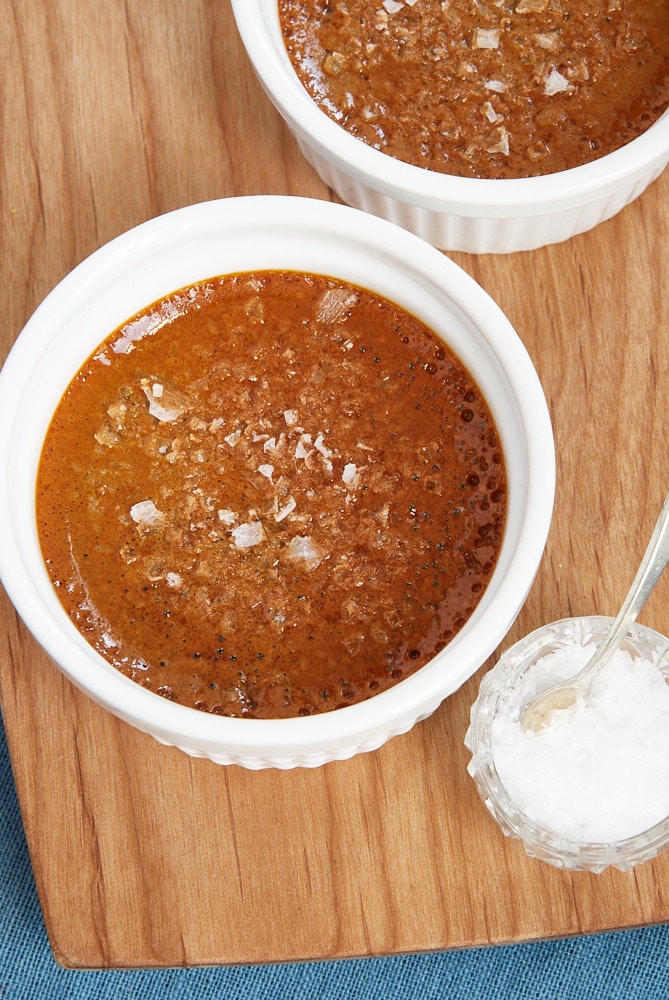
(109, 114)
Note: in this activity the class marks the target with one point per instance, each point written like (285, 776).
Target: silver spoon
(537, 713)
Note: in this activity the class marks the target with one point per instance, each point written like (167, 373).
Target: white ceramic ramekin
(453, 213)
(280, 233)
(499, 687)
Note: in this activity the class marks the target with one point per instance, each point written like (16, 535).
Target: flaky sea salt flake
(490, 113)
(334, 303)
(165, 404)
(547, 40)
(487, 38)
(502, 143)
(302, 449)
(303, 550)
(287, 509)
(319, 445)
(233, 438)
(350, 476)
(106, 437)
(146, 514)
(248, 534)
(555, 83)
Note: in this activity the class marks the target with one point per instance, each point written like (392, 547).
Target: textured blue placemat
(620, 966)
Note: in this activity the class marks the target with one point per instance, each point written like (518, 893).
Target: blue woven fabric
(619, 966)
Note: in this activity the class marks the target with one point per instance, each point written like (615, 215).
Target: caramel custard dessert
(484, 88)
(271, 494)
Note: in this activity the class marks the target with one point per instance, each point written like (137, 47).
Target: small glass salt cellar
(619, 778)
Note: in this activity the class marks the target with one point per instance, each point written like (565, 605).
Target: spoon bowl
(564, 694)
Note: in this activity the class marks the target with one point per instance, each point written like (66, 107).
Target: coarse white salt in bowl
(226, 237)
(453, 213)
(591, 788)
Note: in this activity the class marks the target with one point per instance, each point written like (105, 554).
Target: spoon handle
(652, 565)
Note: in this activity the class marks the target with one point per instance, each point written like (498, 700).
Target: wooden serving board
(115, 112)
